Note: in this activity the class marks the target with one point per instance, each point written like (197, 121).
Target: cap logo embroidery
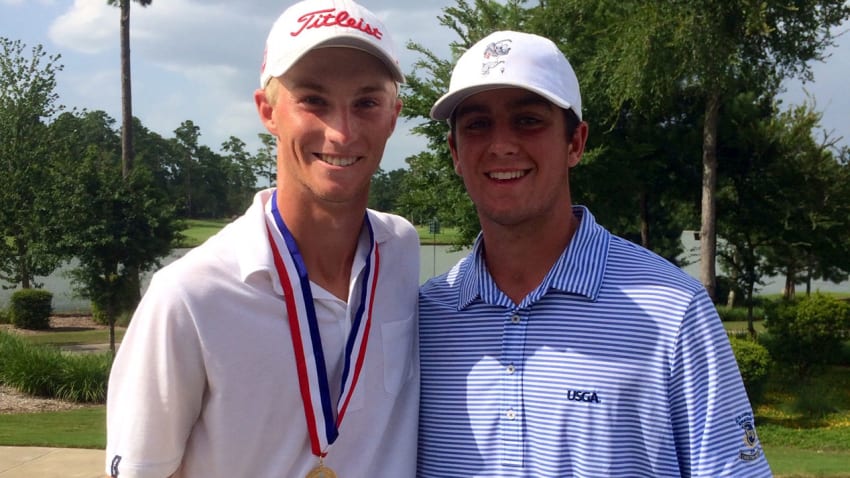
(327, 18)
(492, 54)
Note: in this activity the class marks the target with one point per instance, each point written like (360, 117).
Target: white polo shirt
(205, 385)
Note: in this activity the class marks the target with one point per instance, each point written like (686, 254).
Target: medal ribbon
(306, 341)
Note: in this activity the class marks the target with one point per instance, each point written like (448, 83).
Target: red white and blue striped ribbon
(306, 340)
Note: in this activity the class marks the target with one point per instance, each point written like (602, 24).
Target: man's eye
(367, 103)
(313, 101)
(477, 124)
(528, 121)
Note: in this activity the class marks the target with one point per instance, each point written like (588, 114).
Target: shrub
(4, 317)
(31, 308)
(84, 378)
(47, 372)
(29, 369)
(808, 333)
(754, 363)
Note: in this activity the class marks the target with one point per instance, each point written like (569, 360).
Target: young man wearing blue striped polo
(555, 349)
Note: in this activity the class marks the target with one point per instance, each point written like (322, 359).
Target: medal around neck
(321, 471)
(323, 421)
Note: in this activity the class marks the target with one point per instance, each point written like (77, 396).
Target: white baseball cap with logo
(508, 59)
(312, 24)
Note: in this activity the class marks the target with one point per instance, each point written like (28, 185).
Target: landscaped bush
(30, 369)
(808, 333)
(84, 377)
(31, 308)
(99, 316)
(754, 363)
(4, 316)
(47, 372)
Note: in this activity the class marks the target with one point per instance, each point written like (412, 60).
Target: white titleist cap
(314, 24)
(509, 59)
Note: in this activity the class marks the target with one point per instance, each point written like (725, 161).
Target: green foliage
(29, 369)
(121, 318)
(115, 227)
(31, 308)
(807, 334)
(27, 101)
(4, 317)
(84, 377)
(47, 372)
(738, 314)
(754, 364)
(385, 189)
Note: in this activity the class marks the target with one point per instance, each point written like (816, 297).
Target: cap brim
(445, 106)
(349, 41)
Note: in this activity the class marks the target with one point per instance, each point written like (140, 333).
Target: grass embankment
(199, 230)
(83, 428)
(804, 424)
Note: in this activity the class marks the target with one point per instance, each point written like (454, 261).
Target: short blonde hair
(271, 90)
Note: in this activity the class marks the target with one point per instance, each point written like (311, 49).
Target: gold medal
(321, 471)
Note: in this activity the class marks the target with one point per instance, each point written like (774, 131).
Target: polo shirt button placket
(513, 340)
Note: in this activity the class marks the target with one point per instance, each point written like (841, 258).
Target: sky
(199, 60)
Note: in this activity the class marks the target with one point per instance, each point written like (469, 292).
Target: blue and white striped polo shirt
(617, 365)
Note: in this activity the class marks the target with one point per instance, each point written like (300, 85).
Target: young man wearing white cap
(555, 349)
(286, 345)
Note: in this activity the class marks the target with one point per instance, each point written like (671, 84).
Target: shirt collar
(579, 270)
(254, 253)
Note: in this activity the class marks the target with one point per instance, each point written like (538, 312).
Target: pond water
(434, 260)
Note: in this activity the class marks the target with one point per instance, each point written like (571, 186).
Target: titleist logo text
(331, 18)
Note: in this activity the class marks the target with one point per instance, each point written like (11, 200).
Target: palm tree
(126, 95)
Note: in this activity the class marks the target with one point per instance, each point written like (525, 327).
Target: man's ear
(453, 150)
(265, 110)
(398, 105)
(577, 144)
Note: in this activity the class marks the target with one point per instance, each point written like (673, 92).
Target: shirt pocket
(398, 339)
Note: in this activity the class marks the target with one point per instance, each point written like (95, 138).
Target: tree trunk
(644, 220)
(126, 95)
(751, 328)
(127, 153)
(23, 264)
(789, 291)
(708, 240)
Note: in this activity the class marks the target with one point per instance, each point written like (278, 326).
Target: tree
(187, 146)
(385, 189)
(814, 237)
(115, 227)
(240, 175)
(785, 199)
(265, 161)
(126, 87)
(27, 101)
(432, 189)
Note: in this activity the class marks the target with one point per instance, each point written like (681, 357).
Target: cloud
(16, 3)
(89, 26)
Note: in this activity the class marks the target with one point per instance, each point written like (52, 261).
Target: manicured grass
(447, 235)
(199, 230)
(788, 462)
(741, 326)
(82, 428)
(75, 337)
